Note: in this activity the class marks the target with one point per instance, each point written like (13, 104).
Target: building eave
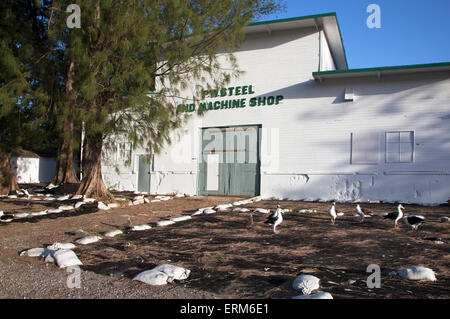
(379, 72)
(327, 22)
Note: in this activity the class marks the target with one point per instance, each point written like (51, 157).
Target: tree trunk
(65, 171)
(8, 181)
(92, 184)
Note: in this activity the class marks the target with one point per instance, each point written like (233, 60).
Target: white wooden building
(300, 125)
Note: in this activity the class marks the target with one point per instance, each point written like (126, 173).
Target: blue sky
(412, 31)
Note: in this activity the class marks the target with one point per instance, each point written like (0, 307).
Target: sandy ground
(229, 257)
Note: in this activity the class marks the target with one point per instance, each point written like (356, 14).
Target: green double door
(230, 162)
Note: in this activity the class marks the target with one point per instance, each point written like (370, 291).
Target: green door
(144, 174)
(230, 161)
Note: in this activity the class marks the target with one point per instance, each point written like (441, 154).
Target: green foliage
(23, 97)
(124, 49)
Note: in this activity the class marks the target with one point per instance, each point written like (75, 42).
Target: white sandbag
(88, 240)
(223, 207)
(141, 227)
(163, 223)
(57, 246)
(35, 252)
(416, 273)
(62, 198)
(113, 233)
(173, 272)
(77, 197)
(21, 215)
(12, 196)
(39, 213)
(209, 211)
(66, 207)
(306, 284)
(319, 295)
(51, 186)
(199, 212)
(66, 258)
(155, 201)
(89, 200)
(102, 206)
(138, 197)
(340, 214)
(49, 198)
(147, 201)
(79, 204)
(154, 278)
(54, 211)
(113, 205)
(179, 195)
(180, 219)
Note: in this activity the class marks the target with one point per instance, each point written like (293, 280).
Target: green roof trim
(292, 19)
(385, 68)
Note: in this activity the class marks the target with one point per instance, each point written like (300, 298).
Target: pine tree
(124, 47)
(21, 95)
(101, 74)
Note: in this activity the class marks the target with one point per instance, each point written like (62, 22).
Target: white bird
(275, 219)
(395, 216)
(360, 212)
(414, 221)
(332, 213)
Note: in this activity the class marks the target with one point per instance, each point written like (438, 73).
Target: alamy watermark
(374, 20)
(74, 277)
(374, 280)
(74, 19)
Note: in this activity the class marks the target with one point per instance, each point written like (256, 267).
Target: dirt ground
(228, 256)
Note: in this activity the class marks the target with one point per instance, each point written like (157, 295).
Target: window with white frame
(400, 147)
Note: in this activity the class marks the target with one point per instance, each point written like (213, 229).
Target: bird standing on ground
(414, 221)
(275, 219)
(332, 213)
(360, 212)
(395, 216)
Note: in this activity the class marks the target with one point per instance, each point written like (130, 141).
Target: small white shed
(26, 166)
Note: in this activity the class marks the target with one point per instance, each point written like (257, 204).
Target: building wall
(326, 59)
(314, 144)
(26, 169)
(323, 156)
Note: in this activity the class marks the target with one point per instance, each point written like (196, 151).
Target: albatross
(414, 221)
(360, 212)
(395, 216)
(332, 213)
(275, 219)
